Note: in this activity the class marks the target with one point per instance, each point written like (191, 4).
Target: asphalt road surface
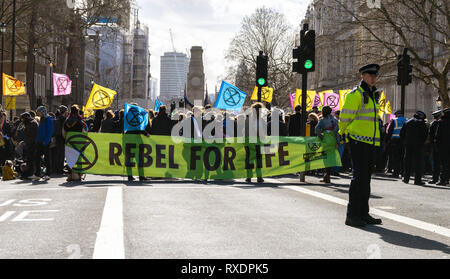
(108, 217)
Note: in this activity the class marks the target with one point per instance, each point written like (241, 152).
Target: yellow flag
(87, 112)
(266, 94)
(382, 103)
(12, 86)
(10, 103)
(309, 98)
(342, 95)
(101, 98)
(388, 108)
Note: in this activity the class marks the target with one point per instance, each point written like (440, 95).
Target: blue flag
(135, 118)
(230, 97)
(158, 104)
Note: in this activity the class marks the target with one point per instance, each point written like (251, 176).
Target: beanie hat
(42, 110)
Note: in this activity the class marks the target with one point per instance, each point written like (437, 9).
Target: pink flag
(292, 95)
(317, 102)
(331, 100)
(62, 85)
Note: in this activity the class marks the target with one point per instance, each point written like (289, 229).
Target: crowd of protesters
(32, 146)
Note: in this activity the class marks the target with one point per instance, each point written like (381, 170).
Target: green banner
(161, 156)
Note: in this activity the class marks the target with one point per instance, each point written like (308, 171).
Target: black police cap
(370, 69)
(437, 113)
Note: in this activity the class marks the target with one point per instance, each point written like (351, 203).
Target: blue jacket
(330, 124)
(45, 132)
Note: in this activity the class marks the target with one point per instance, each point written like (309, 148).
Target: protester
(74, 123)
(282, 130)
(44, 138)
(328, 124)
(414, 134)
(256, 129)
(58, 159)
(107, 125)
(313, 119)
(27, 132)
(294, 128)
(161, 124)
(98, 118)
(5, 138)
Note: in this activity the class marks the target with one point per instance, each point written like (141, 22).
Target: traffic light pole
(304, 112)
(259, 93)
(403, 99)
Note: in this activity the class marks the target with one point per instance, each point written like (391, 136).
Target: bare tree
(265, 30)
(422, 26)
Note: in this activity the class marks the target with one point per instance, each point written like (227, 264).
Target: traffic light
(405, 69)
(261, 69)
(309, 63)
(306, 53)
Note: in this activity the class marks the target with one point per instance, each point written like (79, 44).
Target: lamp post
(77, 75)
(439, 102)
(50, 93)
(33, 85)
(13, 47)
(3, 31)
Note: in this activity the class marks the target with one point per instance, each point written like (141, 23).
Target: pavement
(109, 217)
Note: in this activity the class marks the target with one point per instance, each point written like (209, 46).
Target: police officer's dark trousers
(436, 163)
(363, 160)
(445, 161)
(414, 155)
(396, 156)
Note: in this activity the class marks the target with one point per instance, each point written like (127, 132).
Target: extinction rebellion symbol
(265, 93)
(82, 143)
(61, 84)
(332, 101)
(314, 146)
(231, 97)
(13, 85)
(101, 99)
(135, 118)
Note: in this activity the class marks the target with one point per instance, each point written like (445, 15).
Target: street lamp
(33, 87)
(3, 31)
(77, 75)
(49, 97)
(439, 102)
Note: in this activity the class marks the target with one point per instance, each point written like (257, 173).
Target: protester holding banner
(162, 124)
(74, 123)
(295, 123)
(255, 126)
(328, 124)
(107, 123)
(58, 158)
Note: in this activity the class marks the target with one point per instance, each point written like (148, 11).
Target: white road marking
(110, 243)
(401, 219)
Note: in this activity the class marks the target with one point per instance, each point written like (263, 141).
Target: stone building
(339, 55)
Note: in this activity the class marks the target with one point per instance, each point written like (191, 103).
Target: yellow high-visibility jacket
(359, 120)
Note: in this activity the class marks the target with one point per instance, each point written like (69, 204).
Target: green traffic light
(308, 64)
(261, 81)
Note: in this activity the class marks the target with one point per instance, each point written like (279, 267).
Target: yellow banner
(12, 86)
(266, 94)
(309, 98)
(10, 103)
(101, 98)
(382, 103)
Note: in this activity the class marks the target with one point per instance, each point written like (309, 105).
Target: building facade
(173, 77)
(340, 45)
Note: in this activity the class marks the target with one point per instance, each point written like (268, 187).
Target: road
(108, 217)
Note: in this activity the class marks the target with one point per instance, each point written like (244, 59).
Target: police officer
(414, 135)
(359, 123)
(443, 143)
(395, 144)
(435, 151)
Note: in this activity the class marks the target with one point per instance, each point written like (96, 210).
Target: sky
(207, 23)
